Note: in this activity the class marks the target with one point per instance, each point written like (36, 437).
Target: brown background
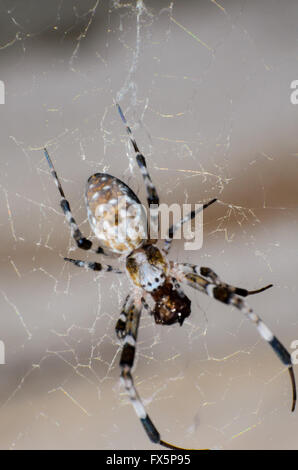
(206, 86)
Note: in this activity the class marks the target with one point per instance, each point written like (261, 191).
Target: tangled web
(206, 87)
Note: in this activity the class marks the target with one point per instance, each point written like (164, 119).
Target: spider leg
(133, 312)
(146, 306)
(131, 317)
(174, 228)
(120, 327)
(211, 275)
(76, 234)
(225, 293)
(152, 196)
(92, 266)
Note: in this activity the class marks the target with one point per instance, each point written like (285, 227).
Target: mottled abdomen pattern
(115, 214)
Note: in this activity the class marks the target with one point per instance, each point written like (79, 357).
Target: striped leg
(92, 266)
(152, 196)
(146, 306)
(226, 294)
(131, 321)
(132, 314)
(76, 234)
(211, 275)
(174, 228)
(121, 323)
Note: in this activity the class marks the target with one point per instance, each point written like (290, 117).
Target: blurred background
(206, 88)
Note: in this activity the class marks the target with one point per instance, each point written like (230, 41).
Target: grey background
(206, 87)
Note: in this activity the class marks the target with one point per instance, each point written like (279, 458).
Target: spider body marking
(120, 228)
(115, 214)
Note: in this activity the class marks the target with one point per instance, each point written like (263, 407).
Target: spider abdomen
(115, 214)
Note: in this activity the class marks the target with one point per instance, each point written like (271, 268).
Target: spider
(151, 273)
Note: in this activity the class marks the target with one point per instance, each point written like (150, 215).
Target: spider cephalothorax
(117, 219)
(147, 267)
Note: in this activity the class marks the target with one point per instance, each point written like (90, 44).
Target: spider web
(206, 87)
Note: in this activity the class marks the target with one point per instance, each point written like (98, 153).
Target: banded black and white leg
(82, 242)
(211, 275)
(227, 294)
(129, 319)
(191, 215)
(152, 196)
(120, 327)
(146, 306)
(93, 266)
(127, 328)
